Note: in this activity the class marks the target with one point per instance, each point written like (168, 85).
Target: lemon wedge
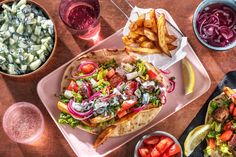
(194, 138)
(188, 76)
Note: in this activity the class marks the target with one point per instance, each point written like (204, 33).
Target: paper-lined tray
(160, 60)
(82, 142)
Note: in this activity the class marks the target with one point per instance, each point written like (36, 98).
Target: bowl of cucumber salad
(27, 37)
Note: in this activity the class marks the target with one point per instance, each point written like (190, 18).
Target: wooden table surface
(52, 142)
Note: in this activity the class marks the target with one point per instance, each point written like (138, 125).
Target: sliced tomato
(144, 152)
(226, 136)
(127, 104)
(151, 140)
(152, 75)
(155, 153)
(110, 73)
(173, 150)
(212, 143)
(87, 68)
(73, 86)
(164, 144)
(231, 108)
(130, 88)
(228, 126)
(234, 112)
(121, 113)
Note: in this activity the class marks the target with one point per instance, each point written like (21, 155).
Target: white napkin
(160, 61)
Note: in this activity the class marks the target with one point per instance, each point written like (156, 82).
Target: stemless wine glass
(81, 17)
(23, 122)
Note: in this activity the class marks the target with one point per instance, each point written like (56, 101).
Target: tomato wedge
(110, 73)
(212, 143)
(234, 112)
(173, 150)
(152, 75)
(151, 140)
(127, 104)
(164, 144)
(73, 86)
(155, 153)
(231, 108)
(121, 113)
(228, 126)
(226, 136)
(87, 68)
(144, 152)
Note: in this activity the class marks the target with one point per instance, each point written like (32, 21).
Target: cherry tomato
(151, 140)
(152, 75)
(164, 144)
(87, 68)
(73, 86)
(226, 136)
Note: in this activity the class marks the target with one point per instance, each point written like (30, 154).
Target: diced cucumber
(4, 27)
(37, 30)
(30, 58)
(34, 65)
(11, 69)
(17, 61)
(2, 59)
(20, 28)
(10, 59)
(26, 37)
(4, 6)
(23, 67)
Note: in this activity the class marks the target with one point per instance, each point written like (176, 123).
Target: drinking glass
(81, 17)
(23, 122)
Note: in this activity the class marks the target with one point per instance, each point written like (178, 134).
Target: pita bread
(132, 121)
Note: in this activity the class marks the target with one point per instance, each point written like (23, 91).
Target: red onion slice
(88, 89)
(95, 95)
(76, 113)
(163, 98)
(166, 72)
(138, 109)
(172, 86)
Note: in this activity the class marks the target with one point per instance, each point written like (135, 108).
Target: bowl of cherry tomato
(158, 144)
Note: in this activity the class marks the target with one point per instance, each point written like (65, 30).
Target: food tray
(82, 142)
(230, 81)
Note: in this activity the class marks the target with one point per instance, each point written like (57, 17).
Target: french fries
(148, 35)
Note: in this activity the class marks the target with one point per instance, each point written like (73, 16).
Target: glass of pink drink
(23, 122)
(81, 17)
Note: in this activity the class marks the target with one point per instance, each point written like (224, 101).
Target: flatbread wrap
(109, 93)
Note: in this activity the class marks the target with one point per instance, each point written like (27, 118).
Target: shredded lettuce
(224, 148)
(109, 64)
(68, 119)
(142, 69)
(77, 96)
(216, 126)
(63, 99)
(214, 105)
(212, 134)
(101, 84)
(207, 151)
(102, 74)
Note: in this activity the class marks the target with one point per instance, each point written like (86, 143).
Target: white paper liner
(161, 61)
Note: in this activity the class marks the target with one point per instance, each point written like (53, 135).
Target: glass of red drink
(81, 17)
(23, 122)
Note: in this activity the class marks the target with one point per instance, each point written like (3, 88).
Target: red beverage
(81, 16)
